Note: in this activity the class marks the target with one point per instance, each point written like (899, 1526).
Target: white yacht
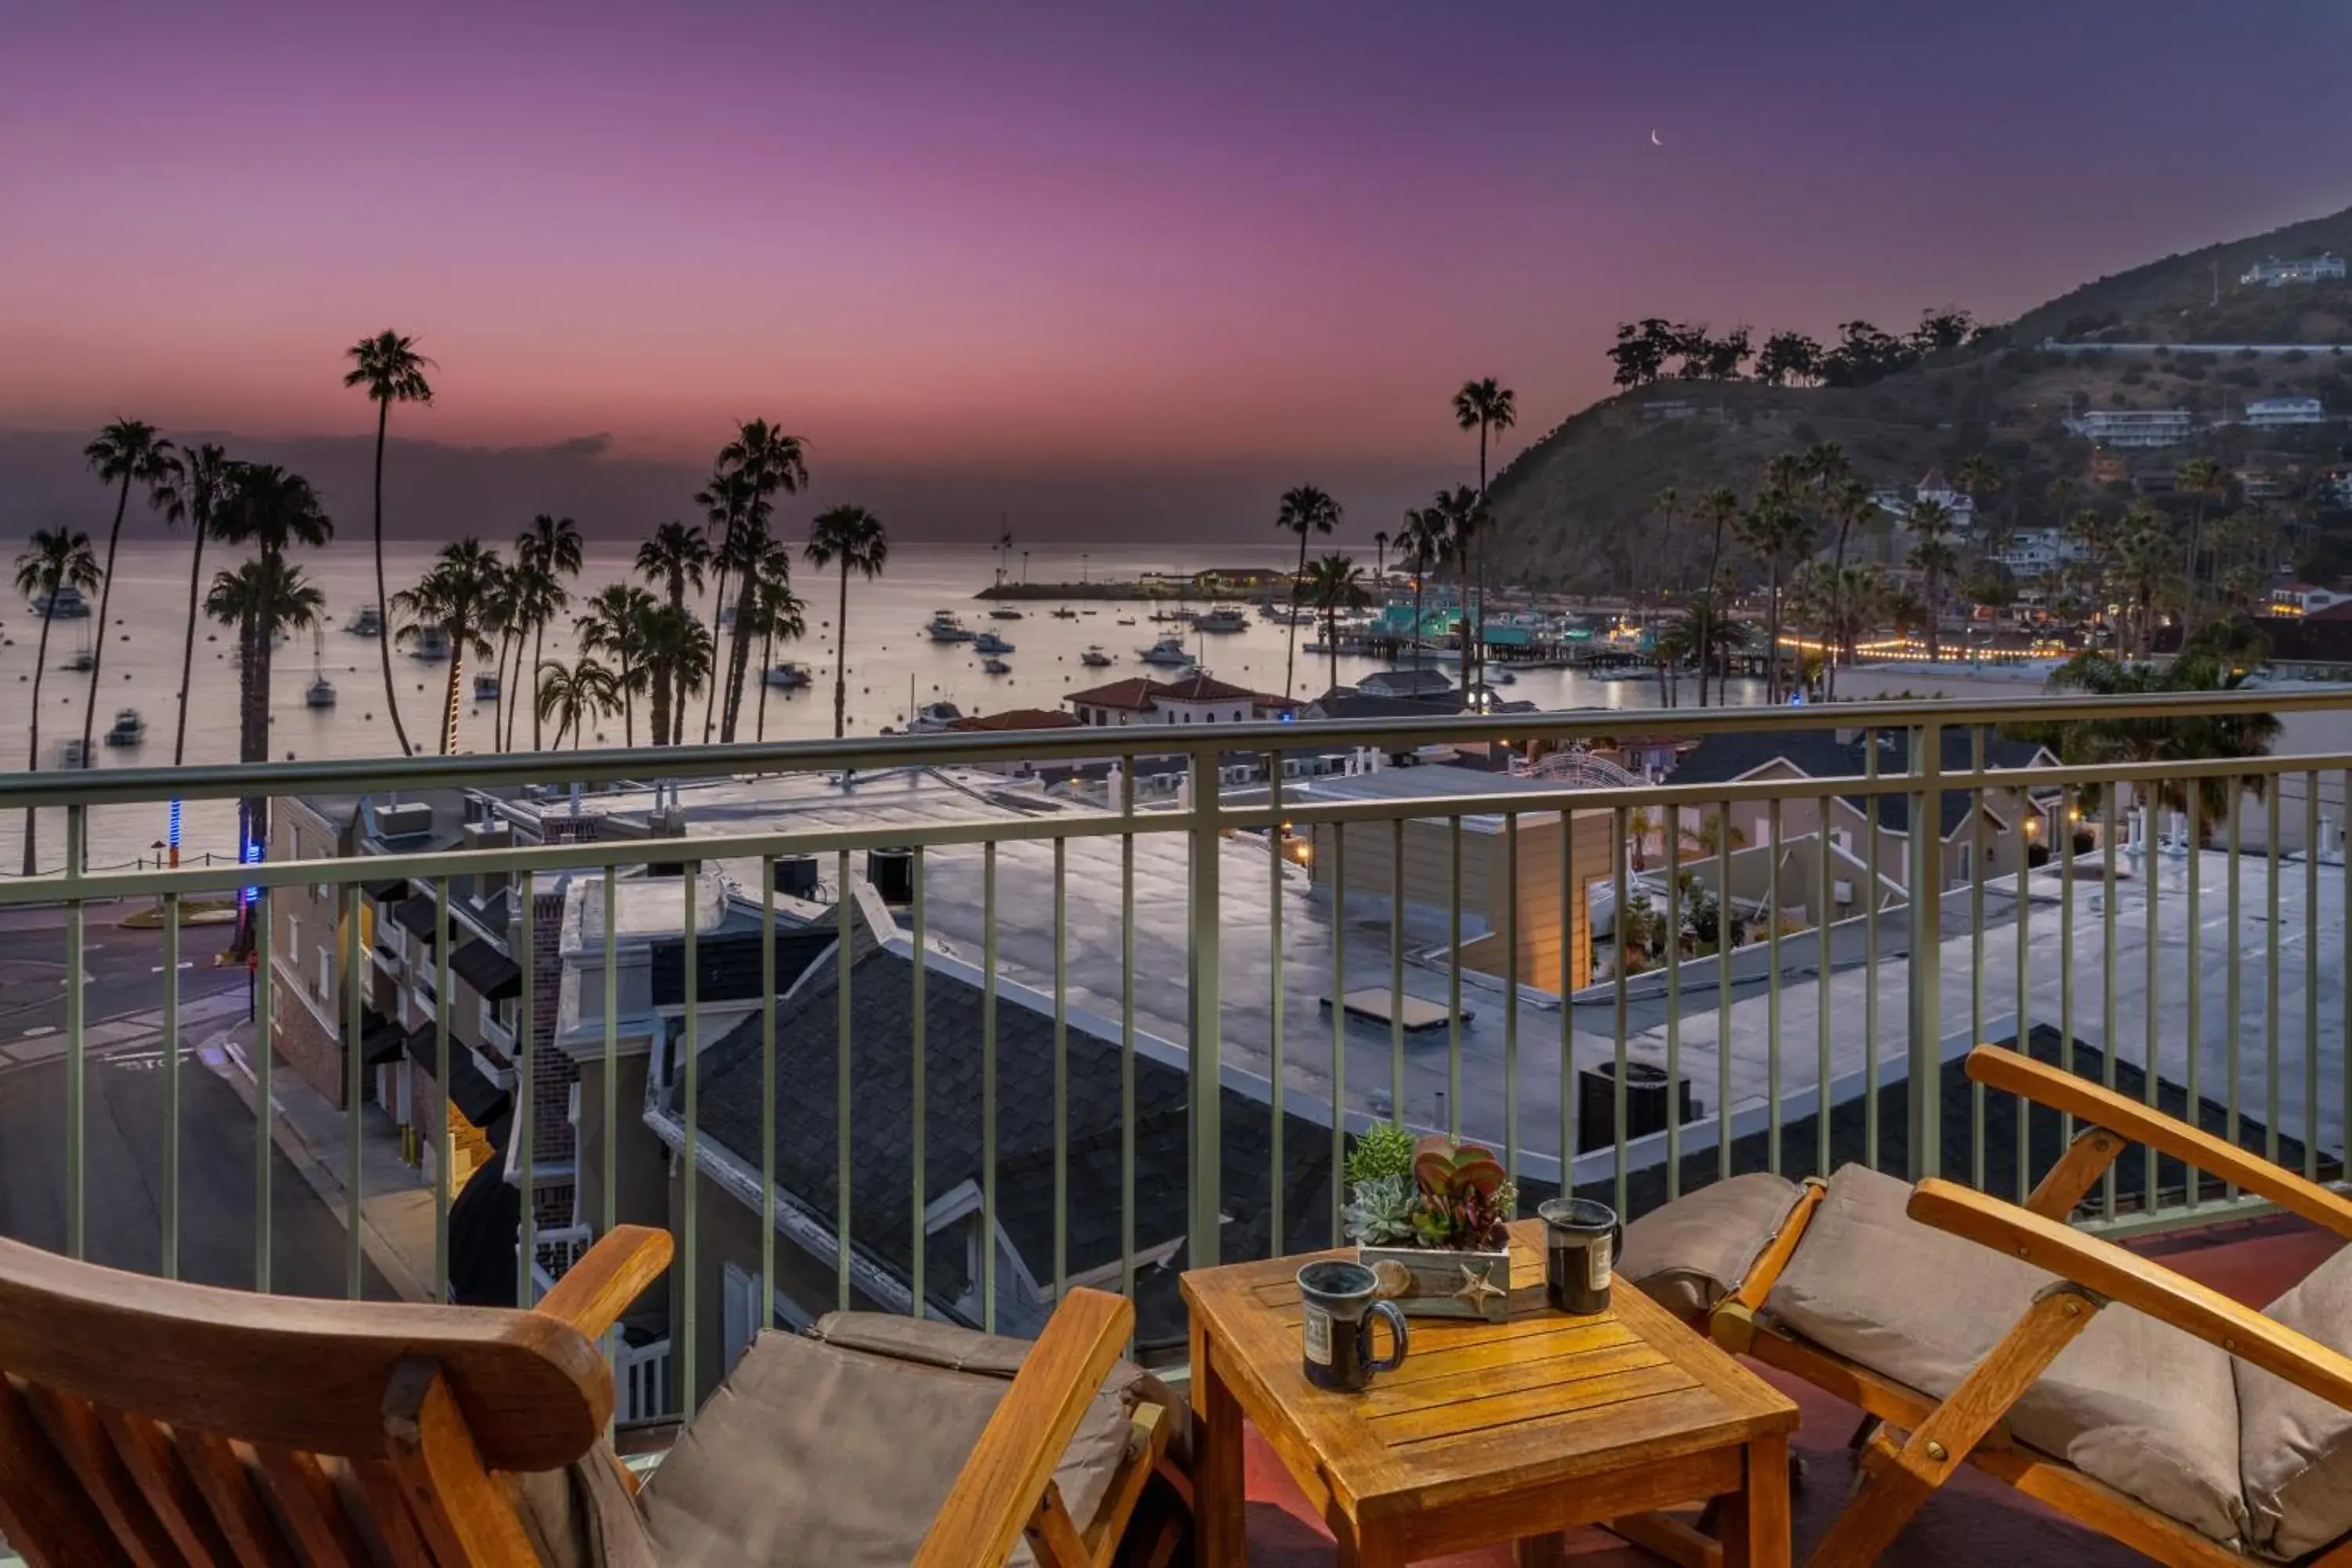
(430, 643)
(788, 676)
(129, 729)
(933, 717)
(486, 689)
(1222, 618)
(1168, 653)
(1094, 657)
(66, 604)
(365, 623)
(989, 642)
(945, 627)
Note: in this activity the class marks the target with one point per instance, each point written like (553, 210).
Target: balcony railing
(1053, 1031)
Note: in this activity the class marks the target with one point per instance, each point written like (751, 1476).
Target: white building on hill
(2135, 426)
(2269, 412)
(2271, 273)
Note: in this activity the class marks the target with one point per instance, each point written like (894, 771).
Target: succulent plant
(1379, 1211)
(1442, 1167)
(1383, 1148)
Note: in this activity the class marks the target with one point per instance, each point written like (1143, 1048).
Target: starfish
(1476, 1286)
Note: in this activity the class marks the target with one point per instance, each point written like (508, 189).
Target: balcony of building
(952, 1026)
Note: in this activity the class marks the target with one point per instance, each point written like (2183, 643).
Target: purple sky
(1028, 238)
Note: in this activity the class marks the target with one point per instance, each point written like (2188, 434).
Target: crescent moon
(1653, 140)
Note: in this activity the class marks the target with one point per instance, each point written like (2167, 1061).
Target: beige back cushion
(1693, 1252)
(2296, 1448)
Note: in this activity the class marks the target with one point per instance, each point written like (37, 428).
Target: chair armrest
(1002, 1485)
(2020, 1075)
(595, 1292)
(2147, 1287)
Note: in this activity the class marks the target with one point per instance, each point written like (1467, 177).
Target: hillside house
(2272, 273)
(2135, 426)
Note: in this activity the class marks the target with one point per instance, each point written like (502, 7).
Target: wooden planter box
(1438, 1283)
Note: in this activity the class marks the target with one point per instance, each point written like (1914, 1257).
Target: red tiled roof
(1136, 692)
(1935, 480)
(1018, 719)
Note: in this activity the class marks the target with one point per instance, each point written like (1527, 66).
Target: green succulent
(1380, 1210)
(1383, 1148)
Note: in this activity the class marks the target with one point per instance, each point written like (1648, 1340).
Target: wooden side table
(1490, 1432)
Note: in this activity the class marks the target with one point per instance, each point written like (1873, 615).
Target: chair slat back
(168, 1424)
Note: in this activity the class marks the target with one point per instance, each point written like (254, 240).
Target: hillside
(1573, 509)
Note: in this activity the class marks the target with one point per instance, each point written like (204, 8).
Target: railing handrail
(378, 776)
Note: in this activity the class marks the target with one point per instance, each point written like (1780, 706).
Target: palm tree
(1850, 502)
(55, 558)
(678, 646)
(2145, 568)
(389, 366)
(780, 615)
(260, 600)
(1933, 556)
(575, 694)
(724, 501)
(853, 538)
(1779, 532)
(1488, 407)
(614, 623)
(126, 453)
(1719, 507)
(2201, 480)
(504, 613)
(457, 594)
(2183, 738)
(1305, 510)
(1421, 548)
(1334, 583)
(674, 560)
(545, 554)
(1380, 555)
(207, 474)
(1460, 516)
(1976, 478)
(1666, 506)
(765, 460)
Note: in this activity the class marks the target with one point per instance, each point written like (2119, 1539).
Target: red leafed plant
(1466, 1198)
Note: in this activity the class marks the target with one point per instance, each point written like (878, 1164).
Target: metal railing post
(1205, 1120)
(1925, 967)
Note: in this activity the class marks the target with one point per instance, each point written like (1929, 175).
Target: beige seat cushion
(2295, 1449)
(2149, 1410)
(814, 1452)
(1693, 1252)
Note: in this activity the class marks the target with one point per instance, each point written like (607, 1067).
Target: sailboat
(320, 692)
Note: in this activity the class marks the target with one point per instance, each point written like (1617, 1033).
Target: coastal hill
(1574, 509)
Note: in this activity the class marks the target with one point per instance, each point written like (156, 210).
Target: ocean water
(892, 666)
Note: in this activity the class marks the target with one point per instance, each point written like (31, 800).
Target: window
(739, 1313)
(293, 934)
(326, 974)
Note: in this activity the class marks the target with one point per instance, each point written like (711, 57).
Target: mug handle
(1394, 1315)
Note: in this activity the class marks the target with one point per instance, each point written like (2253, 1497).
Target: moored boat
(127, 729)
(989, 642)
(995, 667)
(1094, 657)
(1168, 653)
(365, 623)
(788, 676)
(943, 627)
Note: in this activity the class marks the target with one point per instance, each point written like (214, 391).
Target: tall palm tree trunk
(1773, 636)
(657, 704)
(33, 761)
(188, 646)
(449, 700)
(740, 655)
(1290, 658)
(1834, 644)
(105, 597)
(538, 658)
(1478, 564)
(628, 706)
(382, 599)
(718, 613)
(1419, 572)
(499, 703)
(767, 656)
(841, 655)
(1331, 640)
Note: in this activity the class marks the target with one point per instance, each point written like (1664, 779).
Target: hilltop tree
(57, 558)
(1305, 510)
(1488, 407)
(389, 366)
(1789, 358)
(1642, 350)
(1940, 330)
(455, 596)
(854, 537)
(126, 453)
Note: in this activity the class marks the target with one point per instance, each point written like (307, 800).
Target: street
(125, 1113)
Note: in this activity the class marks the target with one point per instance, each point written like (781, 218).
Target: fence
(938, 1086)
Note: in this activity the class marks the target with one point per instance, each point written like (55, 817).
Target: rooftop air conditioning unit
(409, 819)
(1841, 891)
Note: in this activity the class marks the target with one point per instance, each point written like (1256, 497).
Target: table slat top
(1485, 1407)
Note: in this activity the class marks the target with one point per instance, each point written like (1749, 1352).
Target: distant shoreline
(1154, 591)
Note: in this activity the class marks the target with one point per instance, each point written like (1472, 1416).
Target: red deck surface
(1972, 1521)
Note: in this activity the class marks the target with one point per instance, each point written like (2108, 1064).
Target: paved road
(124, 1119)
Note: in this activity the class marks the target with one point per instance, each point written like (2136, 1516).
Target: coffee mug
(1341, 1304)
(1582, 1240)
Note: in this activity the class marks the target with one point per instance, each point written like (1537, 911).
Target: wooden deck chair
(2134, 1401)
(156, 1423)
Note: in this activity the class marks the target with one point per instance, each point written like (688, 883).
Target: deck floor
(1973, 1521)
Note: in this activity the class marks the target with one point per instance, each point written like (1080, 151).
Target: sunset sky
(1078, 236)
